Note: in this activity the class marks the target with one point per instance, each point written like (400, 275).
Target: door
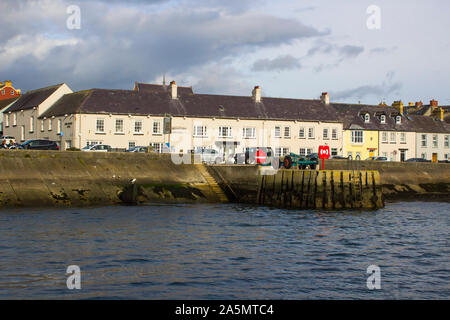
(402, 155)
(371, 154)
(435, 158)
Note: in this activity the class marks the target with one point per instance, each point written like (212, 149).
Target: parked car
(417, 160)
(97, 148)
(209, 155)
(8, 139)
(138, 149)
(338, 158)
(378, 158)
(39, 144)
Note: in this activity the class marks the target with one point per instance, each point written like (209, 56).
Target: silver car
(210, 156)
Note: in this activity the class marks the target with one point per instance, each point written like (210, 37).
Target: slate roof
(429, 124)
(6, 102)
(33, 98)
(156, 88)
(196, 105)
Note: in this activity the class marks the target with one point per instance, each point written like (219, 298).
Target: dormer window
(398, 119)
(366, 117)
(382, 118)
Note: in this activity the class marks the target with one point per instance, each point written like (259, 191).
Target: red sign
(324, 152)
(260, 156)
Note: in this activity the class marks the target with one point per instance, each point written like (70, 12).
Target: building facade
(7, 91)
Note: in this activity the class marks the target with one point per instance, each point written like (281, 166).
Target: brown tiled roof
(33, 98)
(6, 102)
(156, 88)
(196, 105)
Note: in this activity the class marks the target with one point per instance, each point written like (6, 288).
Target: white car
(97, 148)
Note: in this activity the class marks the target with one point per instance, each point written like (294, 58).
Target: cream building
(21, 118)
(177, 120)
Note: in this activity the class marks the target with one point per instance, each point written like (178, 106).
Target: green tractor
(290, 160)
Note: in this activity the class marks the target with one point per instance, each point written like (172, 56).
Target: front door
(371, 154)
(435, 157)
(402, 155)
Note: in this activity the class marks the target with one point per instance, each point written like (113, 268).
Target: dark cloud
(286, 62)
(380, 91)
(116, 47)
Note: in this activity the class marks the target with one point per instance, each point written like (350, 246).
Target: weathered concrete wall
(406, 180)
(49, 178)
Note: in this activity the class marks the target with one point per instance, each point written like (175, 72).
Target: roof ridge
(44, 88)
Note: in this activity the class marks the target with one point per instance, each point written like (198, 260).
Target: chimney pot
(433, 103)
(257, 94)
(173, 90)
(325, 98)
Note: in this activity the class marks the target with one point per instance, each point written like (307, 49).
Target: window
(334, 151)
(157, 147)
(334, 134)
(119, 125)
(42, 125)
(199, 131)
(424, 140)
(281, 151)
(402, 137)
(15, 119)
(311, 133)
(358, 155)
(287, 132)
(12, 92)
(383, 118)
(350, 154)
(357, 136)
(277, 132)
(68, 144)
(301, 133)
(384, 137)
(138, 126)
(31, 124)
(398, 120)
(446, 141)
(131, 144)
(309, 151)
(225, 132)
(325, 134)
(424, 156)
(393, 137)
(3, 92)
(302, 152)
(22, 133)
(435, 141)
(7, 120)
(59, 126)
(100, 128)
(385, 154)
(392, 158)
(367, 117)
(249, 133)
(50, 122)
(156, 127)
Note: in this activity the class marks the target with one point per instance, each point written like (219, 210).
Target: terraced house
(173, 118)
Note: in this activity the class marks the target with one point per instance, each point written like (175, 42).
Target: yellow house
(361, 126)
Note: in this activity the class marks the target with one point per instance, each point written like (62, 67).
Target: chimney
(398, 105)
(411, 104)
(433, 104)
(256, 93)
(419, 104)
(173, 89)
(442, 113)
(325, 98)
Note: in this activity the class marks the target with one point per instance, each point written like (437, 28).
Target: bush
(73, 149)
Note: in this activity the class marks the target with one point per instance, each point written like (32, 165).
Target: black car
(417, 160)
(40, 144)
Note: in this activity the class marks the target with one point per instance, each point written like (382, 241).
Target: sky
(356, 50)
